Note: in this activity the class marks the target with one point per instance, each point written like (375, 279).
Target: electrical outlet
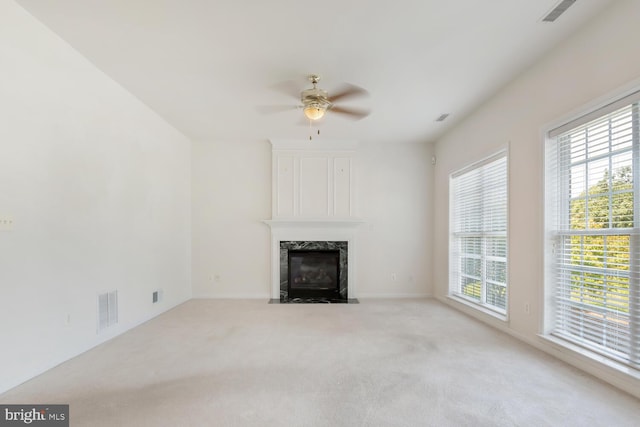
(394, 277)
(6, 223)
(527, 308)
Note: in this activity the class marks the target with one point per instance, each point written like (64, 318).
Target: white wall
(231, 190)
(231, 187)
(98, 188)
(596, 61)
(394, 246)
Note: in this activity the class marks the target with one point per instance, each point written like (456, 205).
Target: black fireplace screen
(314, 270)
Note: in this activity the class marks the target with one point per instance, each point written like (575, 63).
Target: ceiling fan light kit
(314, 112)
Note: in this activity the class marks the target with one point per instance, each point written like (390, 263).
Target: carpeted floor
(377, 363)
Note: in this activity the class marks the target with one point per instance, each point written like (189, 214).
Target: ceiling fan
(316, 102)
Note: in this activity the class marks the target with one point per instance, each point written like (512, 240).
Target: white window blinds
(592, 218)
(478, 233)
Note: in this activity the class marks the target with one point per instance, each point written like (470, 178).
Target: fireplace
(314, 274)
(313, 271)
(314, 221)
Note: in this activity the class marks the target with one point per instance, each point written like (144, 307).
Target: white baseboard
(394, 295)
(264, 296)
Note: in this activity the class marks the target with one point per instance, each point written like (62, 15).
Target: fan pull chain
(310, 128)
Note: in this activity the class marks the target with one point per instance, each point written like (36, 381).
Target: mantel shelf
(313, 223)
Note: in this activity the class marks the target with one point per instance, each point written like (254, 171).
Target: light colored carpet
(378, 363)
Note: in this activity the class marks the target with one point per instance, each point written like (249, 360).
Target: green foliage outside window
(605, 205)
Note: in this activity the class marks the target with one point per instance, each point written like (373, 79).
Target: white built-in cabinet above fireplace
(314, 180)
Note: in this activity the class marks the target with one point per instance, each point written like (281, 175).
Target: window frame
(456, 254)
(558, 232)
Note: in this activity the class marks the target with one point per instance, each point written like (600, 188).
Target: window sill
(478, 307)
(593, 357)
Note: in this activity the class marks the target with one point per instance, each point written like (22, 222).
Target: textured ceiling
(210, 68)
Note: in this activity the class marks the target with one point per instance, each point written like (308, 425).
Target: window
(592, 222)
(478, 234)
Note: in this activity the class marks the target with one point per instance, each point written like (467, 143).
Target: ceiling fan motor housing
(315, 97)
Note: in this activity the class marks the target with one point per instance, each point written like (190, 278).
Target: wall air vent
(558, 10)
(156, 296)
(107, 310)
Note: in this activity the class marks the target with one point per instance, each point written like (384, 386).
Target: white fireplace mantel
(297, 223)
(314, 198)
(283, 230)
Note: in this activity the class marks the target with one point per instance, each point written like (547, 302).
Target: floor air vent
(107, 310)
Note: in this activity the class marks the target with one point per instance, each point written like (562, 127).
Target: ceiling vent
(558, 10)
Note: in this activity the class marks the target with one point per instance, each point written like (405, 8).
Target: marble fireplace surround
(319, 232)
(341, 247)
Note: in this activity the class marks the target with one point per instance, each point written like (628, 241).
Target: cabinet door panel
(285, 195)
(314, 188)
(342, 187)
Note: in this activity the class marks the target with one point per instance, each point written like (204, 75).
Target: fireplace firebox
(314, 274)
